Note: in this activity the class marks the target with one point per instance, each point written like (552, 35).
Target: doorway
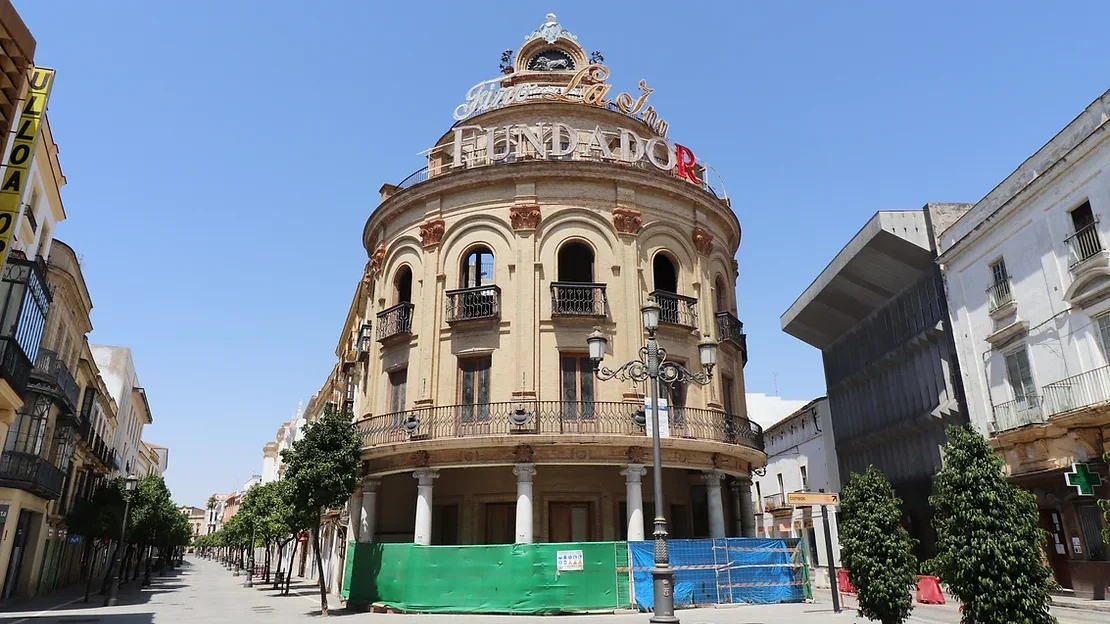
(570, 522)
(1057, 546)
(19, 548)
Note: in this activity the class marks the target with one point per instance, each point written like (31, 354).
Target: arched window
(576, 262)
(664, 274)
(720, 295)
(403, 285)
(477, 268)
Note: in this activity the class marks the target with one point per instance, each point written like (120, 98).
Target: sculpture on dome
(551, 31)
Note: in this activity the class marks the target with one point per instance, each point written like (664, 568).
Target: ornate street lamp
(653, 365)
(250, 572)
(113, 589)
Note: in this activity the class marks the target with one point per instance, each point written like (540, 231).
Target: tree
(211, 502)
(988, 536)
(876, 549)
(97, 520)
(322, 470)
(1105, 505)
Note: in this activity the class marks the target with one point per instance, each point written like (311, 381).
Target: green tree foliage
(876, 549)
(988, 536)
(1105, 505)
(322, 472)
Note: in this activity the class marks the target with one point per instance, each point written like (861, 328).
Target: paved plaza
(203, 591)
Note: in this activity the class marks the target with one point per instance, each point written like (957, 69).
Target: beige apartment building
(554, 206)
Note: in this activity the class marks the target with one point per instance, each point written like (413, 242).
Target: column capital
(633, 472)
(524, 472)
(371, 485)
(425, 476)
(713, 478)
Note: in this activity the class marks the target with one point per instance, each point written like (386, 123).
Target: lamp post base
(663, 594)
(113, 593)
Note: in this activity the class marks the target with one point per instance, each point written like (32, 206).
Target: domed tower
(555, 205)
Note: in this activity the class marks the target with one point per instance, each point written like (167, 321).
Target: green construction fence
(511, 578)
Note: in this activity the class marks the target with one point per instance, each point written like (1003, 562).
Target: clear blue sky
(222, 158)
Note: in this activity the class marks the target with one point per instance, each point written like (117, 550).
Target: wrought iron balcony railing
(395, 321)
(1024, 410)
(15, 367)
(1078, 391)
(676, 309)
(731, 331)
(31, 473)
(578, 299)
(774, 502)
(999, 295)
(1083, 244)
(51, 376)
(471, 304)
(552, 417)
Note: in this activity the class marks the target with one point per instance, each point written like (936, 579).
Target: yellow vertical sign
(21, 155)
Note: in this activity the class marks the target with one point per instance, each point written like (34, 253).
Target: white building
(766, 409)
(801, 457)
(1028, 278)
(118, 370)
(290, 431)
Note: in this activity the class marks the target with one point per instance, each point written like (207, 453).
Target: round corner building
(555, 205)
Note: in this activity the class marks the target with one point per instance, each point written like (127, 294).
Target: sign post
(800, 499)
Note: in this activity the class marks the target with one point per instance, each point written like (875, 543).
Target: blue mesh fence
(725, 571)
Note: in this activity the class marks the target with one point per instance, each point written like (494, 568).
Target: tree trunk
(289, 572)
(112, 559)
(266, 563)
(277, 575)
(91, 569)
(320, 569)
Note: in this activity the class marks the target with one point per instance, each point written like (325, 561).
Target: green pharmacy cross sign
(1082, 479)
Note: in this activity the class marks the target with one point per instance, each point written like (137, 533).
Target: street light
(653, 365)
(250, 571)
(113, 589)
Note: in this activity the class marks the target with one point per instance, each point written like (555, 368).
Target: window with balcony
(674, 309)
(474, 389)
(720, 295)
(676, 402)
(398, 383)
(999, 293)
(575, 293)
(577, 385)
(478, 297)
(1019, 375)
(397, 319)
(805, 478)
(1102, 327)
(1085, 242)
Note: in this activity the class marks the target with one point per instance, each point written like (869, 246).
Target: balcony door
(570, 522)
(474, 395)
(577, 384)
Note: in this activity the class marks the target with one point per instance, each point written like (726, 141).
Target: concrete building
(767, 410)
(1028, 274)
(878, 314)
(801, 457)
(464, 357)
(216, 518)
(118, 370)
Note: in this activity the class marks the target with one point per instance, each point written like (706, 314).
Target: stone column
(422, 534)
(743, 508)
(368, 515)
(635, 501)
(716, 505)
(524, 474)
(354, 521)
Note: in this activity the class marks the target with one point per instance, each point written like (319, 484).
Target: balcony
(24, 304)
(730, 331)
(395, 321)
(30, 473)
(1022, 411)
(50, 376)
(1083, 245)
(775, 502)
(999, 296)
(473, 304)
(578, 299)
(1078, 391)
(552, 417)
(676, 309)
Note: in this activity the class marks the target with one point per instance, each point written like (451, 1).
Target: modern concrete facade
(1028, 276)
(878, 314)
(801, 457)
(543, 214)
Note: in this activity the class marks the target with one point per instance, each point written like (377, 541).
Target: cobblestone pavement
(203, 591)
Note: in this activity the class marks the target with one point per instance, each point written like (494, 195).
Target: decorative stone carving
(376, 259)
(524, 453)
(635, 455)
(525, 217)
(735, 268)
(431, 233)
(703, 241)
(420, 458)
(627, 221)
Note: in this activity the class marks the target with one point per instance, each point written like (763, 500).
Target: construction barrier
(842, 582)
(725, 571)
(511, 578)
(928, 590)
